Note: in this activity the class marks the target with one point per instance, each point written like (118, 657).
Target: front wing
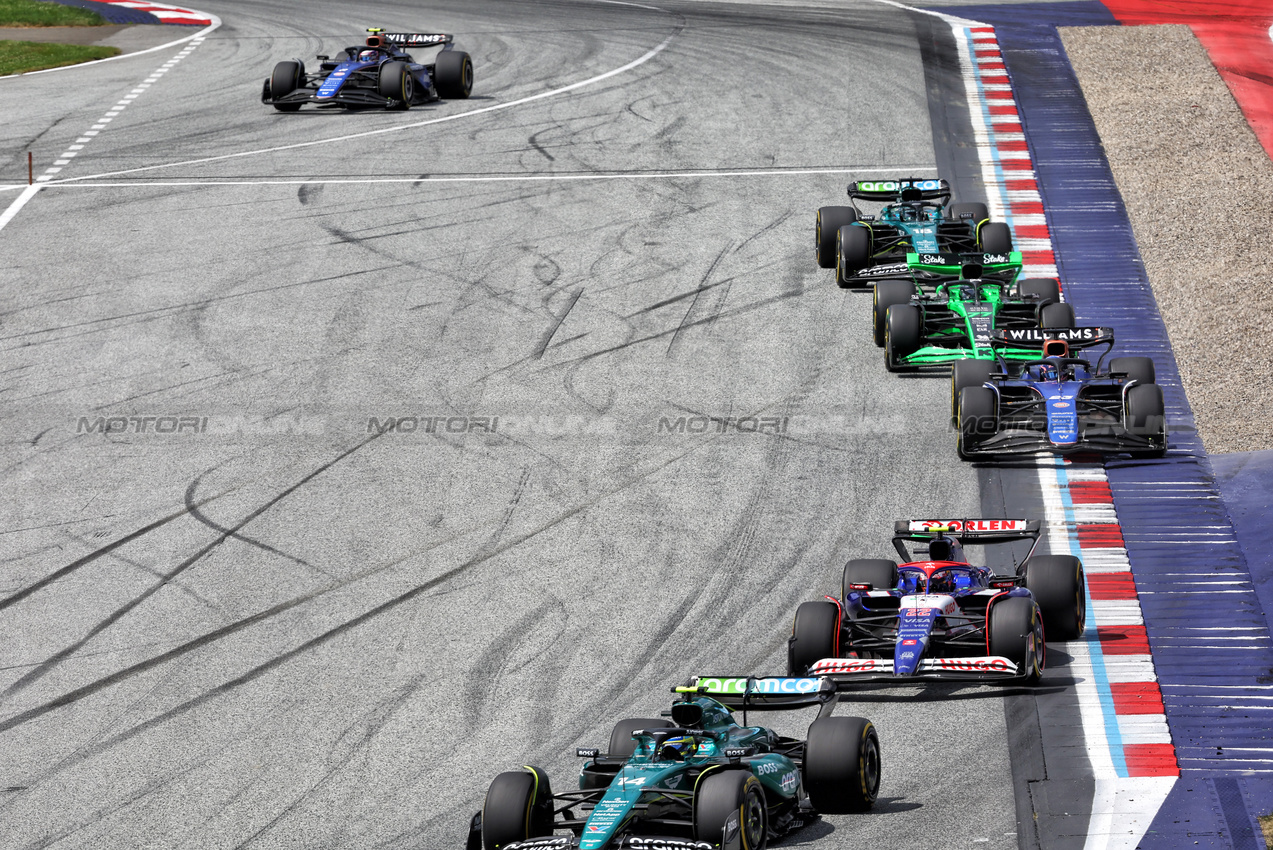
(1021, 441)
(844, 671)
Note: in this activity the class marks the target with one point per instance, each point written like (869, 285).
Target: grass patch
(32, 13)
(1266, 824)
(18, 57)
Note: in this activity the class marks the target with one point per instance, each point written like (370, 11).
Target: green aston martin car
(700, 780)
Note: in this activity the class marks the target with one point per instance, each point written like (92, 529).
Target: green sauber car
(699, 781)
(931, 325)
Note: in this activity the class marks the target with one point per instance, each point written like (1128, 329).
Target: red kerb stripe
(1100, 536)
(1123, 640)
(1151, 759)
(1111, 586)
(1136, 697)
(1090, 492)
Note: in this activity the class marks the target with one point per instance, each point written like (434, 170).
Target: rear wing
(908, 189)
(966, 266)
(980, 531)
(1036, 337)
(761, 693)
(416, 39)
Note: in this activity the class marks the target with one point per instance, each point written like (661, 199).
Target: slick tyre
(518, 806)
(964, 374)
(979, 212)
(995, 238)
(722, 795)
(842, 765)
(453, 74)
(903, 324)
(1056, 315)
(977, 419)
(396, 83)
(879, 573)
(286, 79)
(827, 231)
(1139, 369)
(1057, 584)
(853, 252)
(622, 745)
(887, 293)
(1046, 288)
(1016, 633)
(815, 635)
(1145, 417)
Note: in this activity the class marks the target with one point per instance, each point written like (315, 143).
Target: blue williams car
(379, 73)
(699, 780)
(1057, 402)
(939, 616)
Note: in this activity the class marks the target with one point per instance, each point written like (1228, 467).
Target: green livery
(699, 781)
(928, 325)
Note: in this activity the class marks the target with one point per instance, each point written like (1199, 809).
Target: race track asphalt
(283, 627)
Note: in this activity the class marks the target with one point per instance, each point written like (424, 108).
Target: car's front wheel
(842, 765)
(396, 83)
(815, 635)
(287, 78)
(1015, 632)
(724, 793)
(518, 806)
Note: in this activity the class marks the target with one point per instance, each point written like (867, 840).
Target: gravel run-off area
(1199, 189)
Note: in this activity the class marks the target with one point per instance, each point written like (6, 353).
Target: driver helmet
(942, 582)
(369, 55)
(909, 212)
(678, 748)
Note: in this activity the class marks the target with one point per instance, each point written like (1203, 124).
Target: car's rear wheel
(879, 573)
(1139, 369)
(453, 74)
(978, 211)
(887, 293)
(827, 230)
(396, 83)
(1056, 315)
(977, 419)
(902, 334)
(1046, 288)
(518, 806)
(1056, 582)
(842, 765)
(967, 373)
(722, 794)
(1016, 633)
(286, 79)
(622, 744)
(814, 636)
(853, 252)
(995, 238)
(1145, 417)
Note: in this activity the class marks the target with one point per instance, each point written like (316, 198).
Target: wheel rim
(408, 88)
(1080, 603)
(870, 765)
(753, 818)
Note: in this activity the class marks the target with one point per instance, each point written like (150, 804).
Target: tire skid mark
(256, 672)
(551, 332)
(694, 303)
(370, 724)
(199, 515)
(757, 305)
(62, 572)
(167, 577)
